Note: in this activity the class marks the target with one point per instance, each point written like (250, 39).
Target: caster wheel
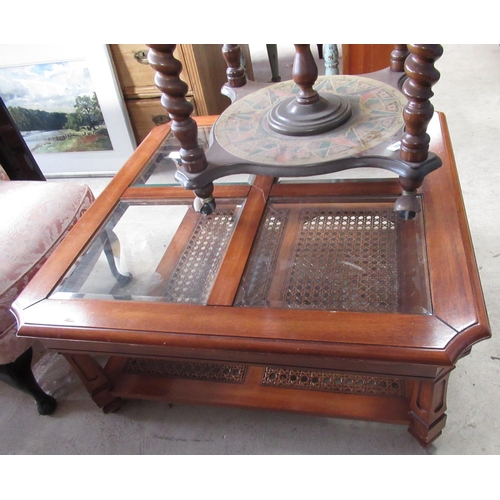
(204, 206)
(407, 214)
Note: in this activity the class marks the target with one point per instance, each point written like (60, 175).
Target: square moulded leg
(95, 381)
(427, 409)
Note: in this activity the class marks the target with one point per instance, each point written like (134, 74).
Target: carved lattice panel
(197, 370)
(295, 378)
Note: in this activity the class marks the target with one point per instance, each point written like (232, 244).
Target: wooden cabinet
(360, 59)
(204, 71)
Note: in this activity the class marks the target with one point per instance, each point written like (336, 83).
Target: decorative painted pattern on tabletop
(242, 129)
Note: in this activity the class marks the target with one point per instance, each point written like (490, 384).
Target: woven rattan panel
(197, 267)
(319, 380)
(197, 370)
(338, 259)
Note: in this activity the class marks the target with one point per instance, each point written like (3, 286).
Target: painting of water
(55, 107)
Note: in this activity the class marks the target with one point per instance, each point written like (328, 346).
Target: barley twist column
(417, 113)
(184, 128)
(422, 75)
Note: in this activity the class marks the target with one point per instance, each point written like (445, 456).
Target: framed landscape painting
(68, 106)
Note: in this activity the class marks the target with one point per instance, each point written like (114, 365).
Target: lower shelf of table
(419, 402)
(255, 390)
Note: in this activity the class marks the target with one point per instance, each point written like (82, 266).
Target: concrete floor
(469, 94)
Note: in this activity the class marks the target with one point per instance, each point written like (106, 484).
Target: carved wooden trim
(347, 383)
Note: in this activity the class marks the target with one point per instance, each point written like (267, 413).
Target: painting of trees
(87, 112)
(55, 107)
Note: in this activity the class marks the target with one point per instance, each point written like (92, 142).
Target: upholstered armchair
(34, 217)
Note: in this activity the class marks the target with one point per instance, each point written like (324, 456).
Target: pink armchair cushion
(3, 174)
(34, 217)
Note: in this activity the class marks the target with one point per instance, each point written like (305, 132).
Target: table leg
(95, 381)
(427, 409)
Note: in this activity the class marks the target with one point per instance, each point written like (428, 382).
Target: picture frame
(94, 156)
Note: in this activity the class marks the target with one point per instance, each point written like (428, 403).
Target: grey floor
(469, 94)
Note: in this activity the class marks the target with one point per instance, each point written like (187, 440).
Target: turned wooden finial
(417, 113)
(305, 74)
(173, 99)
(308, 112)
(235, 72)
(398, 58)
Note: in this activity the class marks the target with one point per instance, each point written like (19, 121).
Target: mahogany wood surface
(398, 57)
(358, 59)
(235, 72)
(418, 351)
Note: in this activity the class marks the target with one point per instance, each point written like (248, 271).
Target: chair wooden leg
(19, 375)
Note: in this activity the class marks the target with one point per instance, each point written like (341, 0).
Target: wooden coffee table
(311, 297)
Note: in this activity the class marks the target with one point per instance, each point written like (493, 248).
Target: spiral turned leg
(422, 75)
(184, 128)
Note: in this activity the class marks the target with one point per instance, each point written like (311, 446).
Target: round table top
(242, 129)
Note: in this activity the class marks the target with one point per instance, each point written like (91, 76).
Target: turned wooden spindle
(235, 72)
(417, 113)
(307, 112)
(173, 99)
(305, 74)
(398, 58)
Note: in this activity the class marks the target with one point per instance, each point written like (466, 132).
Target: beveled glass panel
(355, 174)
(161, 169)
(153, 252)
(339, 256)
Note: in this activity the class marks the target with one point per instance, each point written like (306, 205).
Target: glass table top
(161, 169)
(328, 252)
(354, 255)
(162, 252)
